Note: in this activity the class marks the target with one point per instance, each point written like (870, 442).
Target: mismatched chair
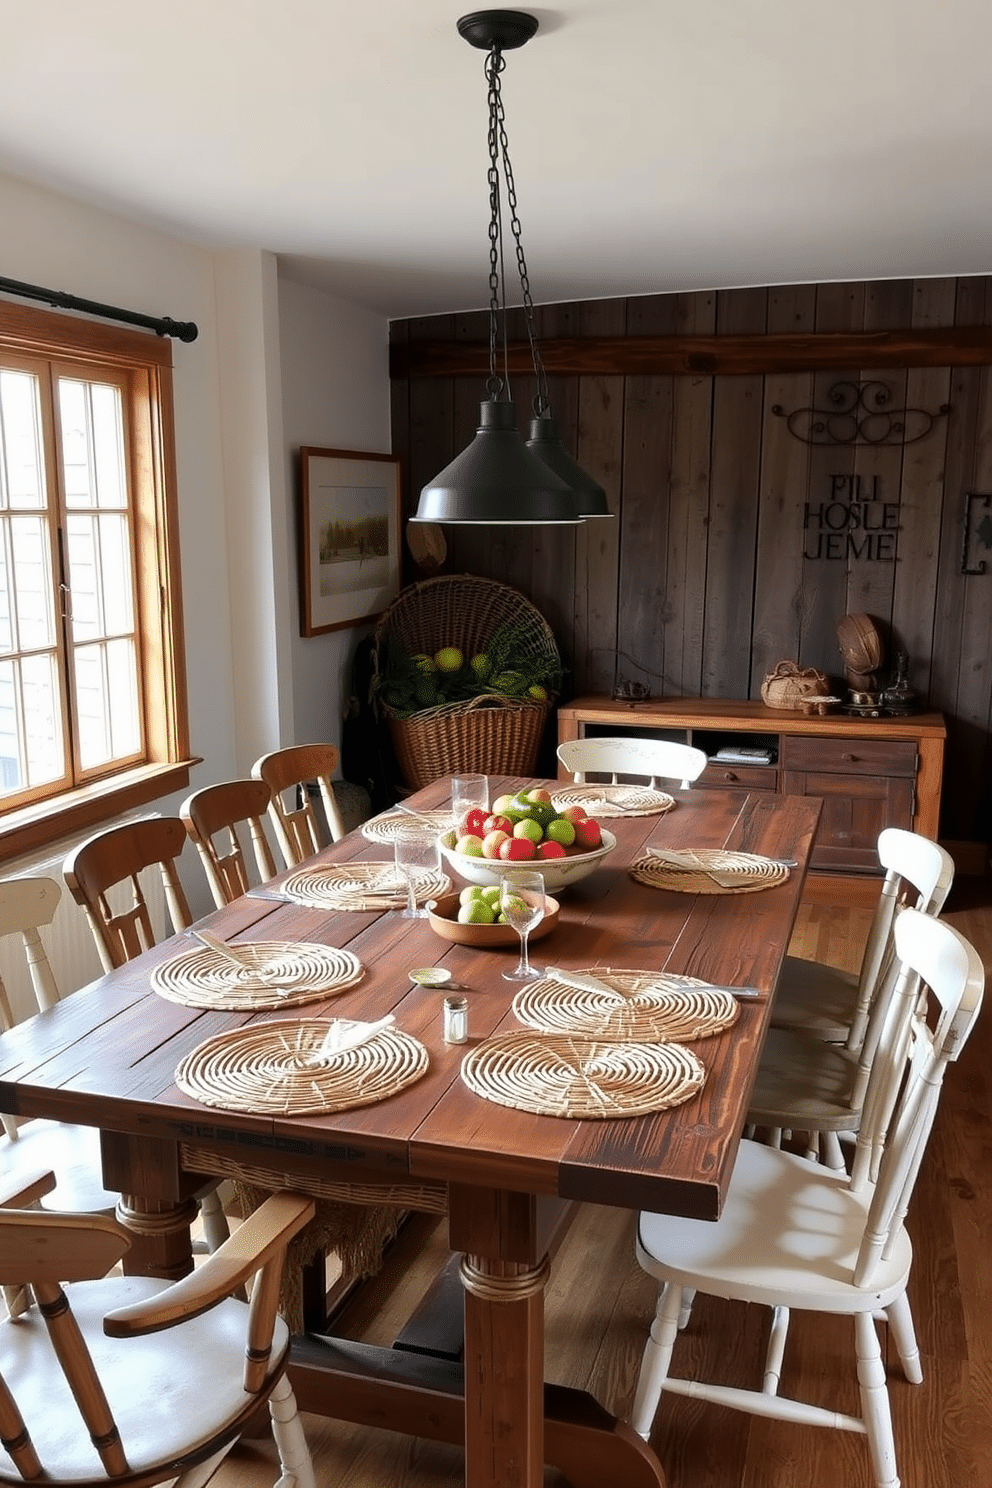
(793, 1234)
(217, 811)
(653, 759)
(130, 1379)
(294, 822)
(114, 860)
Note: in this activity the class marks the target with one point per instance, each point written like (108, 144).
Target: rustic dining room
(495, 745)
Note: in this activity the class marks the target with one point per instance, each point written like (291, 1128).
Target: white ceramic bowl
(557, 873)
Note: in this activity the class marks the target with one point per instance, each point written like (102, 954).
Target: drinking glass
(467, 792)
(415, 849)
(521, 903)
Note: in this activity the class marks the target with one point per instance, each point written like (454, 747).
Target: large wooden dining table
(106, 1057)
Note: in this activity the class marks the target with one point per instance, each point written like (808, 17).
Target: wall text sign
(853, 522)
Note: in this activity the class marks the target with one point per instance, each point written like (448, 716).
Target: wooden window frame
(147, 359)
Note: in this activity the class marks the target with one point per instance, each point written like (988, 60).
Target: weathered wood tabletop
(106, 1057)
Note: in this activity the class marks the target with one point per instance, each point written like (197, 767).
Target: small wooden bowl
(443, 918)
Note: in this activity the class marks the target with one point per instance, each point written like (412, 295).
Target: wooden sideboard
(870, 772)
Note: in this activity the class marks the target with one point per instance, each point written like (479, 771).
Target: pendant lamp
(498, 478)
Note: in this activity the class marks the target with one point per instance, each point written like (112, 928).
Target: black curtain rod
(183, 330)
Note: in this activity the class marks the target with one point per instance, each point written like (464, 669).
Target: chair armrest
(264, 1235)
(19, 1190)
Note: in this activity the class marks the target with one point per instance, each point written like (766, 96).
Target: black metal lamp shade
(496, 480)
(545, 443)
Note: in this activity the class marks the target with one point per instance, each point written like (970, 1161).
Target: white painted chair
(133, 1380)
(806, 1083)
(793, 1234)
(215, 812)
(294, 821)
(653, 759)
(834, 1004)
(72, 1152)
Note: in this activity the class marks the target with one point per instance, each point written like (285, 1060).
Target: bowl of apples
(526, 831)
(472, 918)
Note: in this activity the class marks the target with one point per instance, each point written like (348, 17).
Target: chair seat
(72, 1153)
(190, 1387)
(816, 998)
(804, 1083)
(788, 1236)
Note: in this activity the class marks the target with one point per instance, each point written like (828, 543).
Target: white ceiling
(656, 144)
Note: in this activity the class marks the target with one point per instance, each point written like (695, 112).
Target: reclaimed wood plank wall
(705, 580)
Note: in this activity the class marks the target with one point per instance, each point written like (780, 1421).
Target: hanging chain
(494, 66)
(497, 113)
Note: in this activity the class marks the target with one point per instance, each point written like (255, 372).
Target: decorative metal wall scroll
(859, 413)
(977, 531)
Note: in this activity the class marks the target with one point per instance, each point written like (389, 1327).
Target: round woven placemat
(704, 870)
(361, 886)
(653, 1007)
(275, 1069)
(281, 975)
(554, 1075)
(614, 800)
(388, 828)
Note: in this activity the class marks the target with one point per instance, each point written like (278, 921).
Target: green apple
(476, 912)
(530, 829)
(560, 830)
(473, 891)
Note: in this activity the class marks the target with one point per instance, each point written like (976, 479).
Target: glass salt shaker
(455, 1019)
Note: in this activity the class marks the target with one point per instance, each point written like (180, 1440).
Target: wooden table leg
(159, 1215)
(504, 1372)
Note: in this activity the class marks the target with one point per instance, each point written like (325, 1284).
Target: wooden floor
(599, 1307)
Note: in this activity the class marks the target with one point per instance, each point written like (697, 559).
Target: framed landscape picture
(350, 537)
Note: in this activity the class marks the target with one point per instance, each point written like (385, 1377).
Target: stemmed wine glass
(415, 849)
(521, 903)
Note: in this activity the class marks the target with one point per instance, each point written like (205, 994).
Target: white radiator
(68, 941)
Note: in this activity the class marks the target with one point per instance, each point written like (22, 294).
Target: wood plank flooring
(599, 1305)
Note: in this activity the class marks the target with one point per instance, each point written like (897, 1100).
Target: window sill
(33, 828)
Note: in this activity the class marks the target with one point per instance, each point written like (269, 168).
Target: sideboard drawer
(849, 756)
(739, 777)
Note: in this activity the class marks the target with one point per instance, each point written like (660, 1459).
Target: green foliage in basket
(410, 684)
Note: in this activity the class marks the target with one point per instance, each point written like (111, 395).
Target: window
(92, 687)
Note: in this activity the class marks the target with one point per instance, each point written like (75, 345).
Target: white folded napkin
(347, 1033)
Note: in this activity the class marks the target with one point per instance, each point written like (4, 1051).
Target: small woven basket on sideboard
(491, 734)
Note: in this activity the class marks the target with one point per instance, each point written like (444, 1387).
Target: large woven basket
(491, 734)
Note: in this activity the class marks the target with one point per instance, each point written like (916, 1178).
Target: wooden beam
(951, 346)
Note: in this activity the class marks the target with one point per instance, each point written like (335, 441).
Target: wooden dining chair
(218, 811)
(116, 857)
(27, 905)
(832, 1004)
(135, 1380)
(294, 820)
(793, 1234)
(653, 759)
(111, 862)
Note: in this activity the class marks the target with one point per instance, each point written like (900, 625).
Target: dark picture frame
(349, 537)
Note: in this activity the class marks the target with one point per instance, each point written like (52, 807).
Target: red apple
(497, 823)
(539, 794)
(587, 833)
(517, 849)
(473, 822)
(574, 813)
(492, 842)
(550, 849)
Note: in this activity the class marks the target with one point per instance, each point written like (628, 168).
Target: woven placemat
(387, 828)
(614, 800)
(554, 1075)
(276, 1069)
(650, 1006)
(361, 886)
(280, 975)
(708, 871)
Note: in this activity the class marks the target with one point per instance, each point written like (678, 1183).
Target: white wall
(274, 365)
(335, 395)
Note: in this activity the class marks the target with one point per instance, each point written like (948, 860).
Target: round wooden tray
(443, 919)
